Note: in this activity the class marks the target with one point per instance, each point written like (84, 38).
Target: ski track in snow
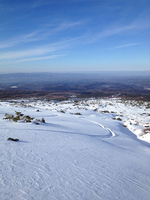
(112, 134)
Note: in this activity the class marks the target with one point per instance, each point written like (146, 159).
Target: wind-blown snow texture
(82, 152)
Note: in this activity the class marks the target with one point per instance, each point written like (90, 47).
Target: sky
(74, 35)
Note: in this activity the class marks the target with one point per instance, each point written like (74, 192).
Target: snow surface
(82, 152)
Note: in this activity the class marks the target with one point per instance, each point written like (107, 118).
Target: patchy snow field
(86, 150)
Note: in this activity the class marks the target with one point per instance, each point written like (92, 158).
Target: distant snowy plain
(88, 149)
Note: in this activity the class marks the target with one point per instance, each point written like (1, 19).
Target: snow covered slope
(82, 152)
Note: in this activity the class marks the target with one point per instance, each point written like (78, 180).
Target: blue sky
(74, 35)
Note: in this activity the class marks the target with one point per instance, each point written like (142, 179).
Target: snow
(82, 152)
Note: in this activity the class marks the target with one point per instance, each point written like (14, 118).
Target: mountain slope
(77, 154)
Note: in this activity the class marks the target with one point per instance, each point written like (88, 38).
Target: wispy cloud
(30, 52)
(21, 39)
(134, 27)
(38, 53)
(67, 25)
(39, 3)
(38, 35)
(124, 46)
(39, 58)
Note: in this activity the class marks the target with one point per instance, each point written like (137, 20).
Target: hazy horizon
(132, 72)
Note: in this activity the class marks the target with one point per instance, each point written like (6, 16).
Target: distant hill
(131, 84)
